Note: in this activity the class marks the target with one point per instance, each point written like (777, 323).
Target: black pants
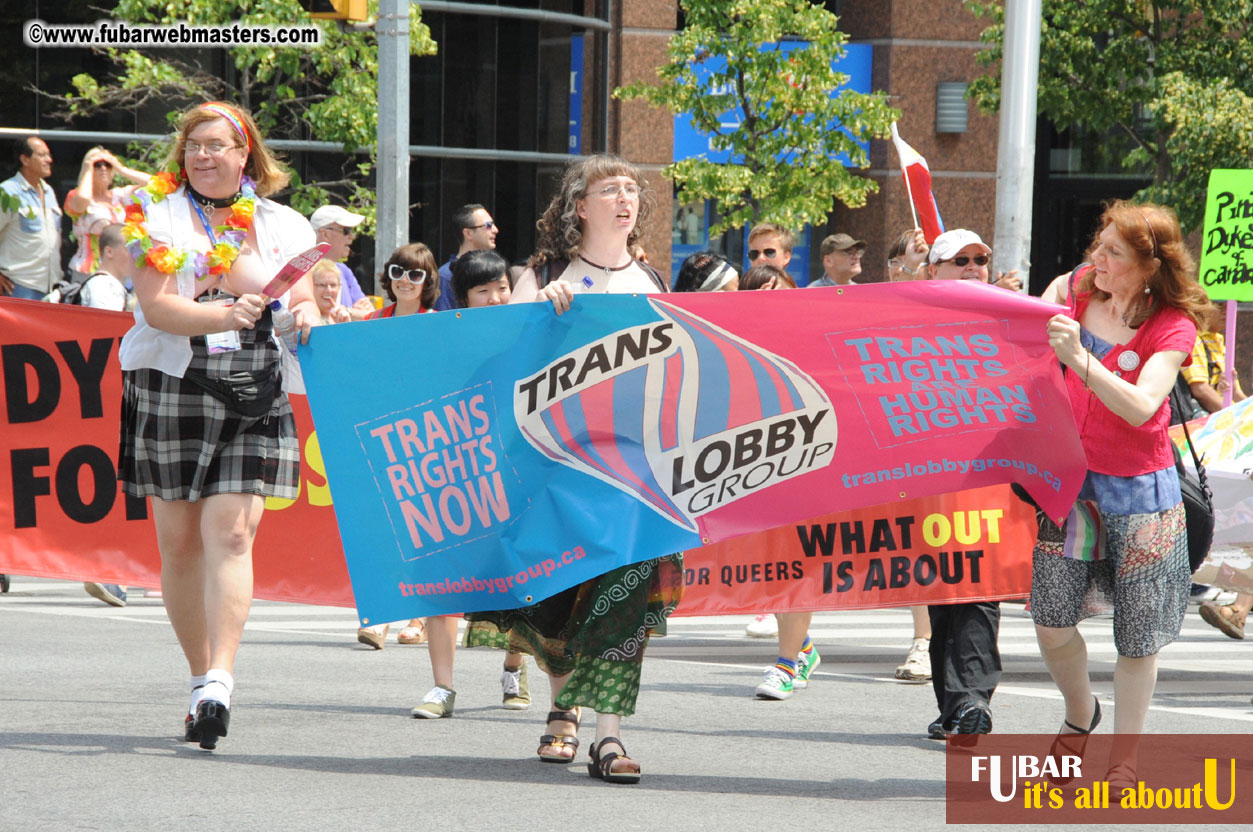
(965, 661)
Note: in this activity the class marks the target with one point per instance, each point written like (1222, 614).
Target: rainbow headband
(226, 113)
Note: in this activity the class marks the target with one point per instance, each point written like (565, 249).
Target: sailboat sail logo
(678, 413)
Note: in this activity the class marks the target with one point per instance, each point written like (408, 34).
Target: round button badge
(1128, 360)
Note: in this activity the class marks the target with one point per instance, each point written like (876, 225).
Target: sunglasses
(962, 262)
(102, 164)
(396, 272)
(769, 253)
(489, 225)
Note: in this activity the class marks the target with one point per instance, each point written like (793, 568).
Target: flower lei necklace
(168, 260)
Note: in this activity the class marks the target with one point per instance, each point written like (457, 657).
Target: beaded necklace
(168, 260)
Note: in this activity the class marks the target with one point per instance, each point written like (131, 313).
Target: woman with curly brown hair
(1131, 320)
(590, 639)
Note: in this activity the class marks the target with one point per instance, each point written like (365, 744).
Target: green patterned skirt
(596, 632)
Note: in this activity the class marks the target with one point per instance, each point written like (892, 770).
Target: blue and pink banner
(493, 457)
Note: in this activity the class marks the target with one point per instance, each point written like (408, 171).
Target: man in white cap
(333, 225)
(961, 254)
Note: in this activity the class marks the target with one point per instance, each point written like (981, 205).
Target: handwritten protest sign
(1227, 250)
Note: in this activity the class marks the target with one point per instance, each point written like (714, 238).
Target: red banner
(67, 517)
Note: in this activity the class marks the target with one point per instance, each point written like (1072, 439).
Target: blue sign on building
(691, 222)
(575, 143)
(689, 142)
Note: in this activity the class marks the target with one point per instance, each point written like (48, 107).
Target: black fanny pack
(249, 393)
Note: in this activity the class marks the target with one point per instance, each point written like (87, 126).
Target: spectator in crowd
(334, 226)
(30, 225)
(907, 256)
(706, 271)
(481, 278)
(770, 244)
(766, 277)
(95, 203)
(475, 231)
(327, 291)
(1206, 375)
(841, 260)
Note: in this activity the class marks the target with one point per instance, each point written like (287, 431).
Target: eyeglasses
(397, 272)
(962, 262)
(613, 191)
(489, 225)
(212, 148)
(768, 253)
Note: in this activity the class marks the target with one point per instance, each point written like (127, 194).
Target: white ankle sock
(197, 693)
(218, 685)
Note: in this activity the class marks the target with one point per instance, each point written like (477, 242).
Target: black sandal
(601, 767)
(1060, 747)
(561, 741)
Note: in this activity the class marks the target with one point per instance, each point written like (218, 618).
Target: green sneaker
(515, 692)
(436, 704)
(776, 685)
(805, 666)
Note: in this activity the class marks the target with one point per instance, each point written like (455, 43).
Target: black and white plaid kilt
(180, 443)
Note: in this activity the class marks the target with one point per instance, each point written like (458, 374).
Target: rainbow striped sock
(788, 666)
(808, 646)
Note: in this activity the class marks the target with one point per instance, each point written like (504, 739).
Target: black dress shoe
(190, 732)
(212, 720)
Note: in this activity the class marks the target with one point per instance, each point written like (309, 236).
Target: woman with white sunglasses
(405, 281)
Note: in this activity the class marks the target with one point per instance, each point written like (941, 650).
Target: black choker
(213, 202)
(608, 269)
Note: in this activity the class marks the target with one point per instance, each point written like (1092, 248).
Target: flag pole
(913, 212)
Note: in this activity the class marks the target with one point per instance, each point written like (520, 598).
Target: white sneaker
(775, 685)
(763, 626)
(917, 666)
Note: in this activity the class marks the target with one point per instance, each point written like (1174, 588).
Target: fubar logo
(722, 418)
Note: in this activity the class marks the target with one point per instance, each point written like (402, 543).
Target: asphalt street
(91, 701)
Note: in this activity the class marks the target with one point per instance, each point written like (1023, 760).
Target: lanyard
(204, 221)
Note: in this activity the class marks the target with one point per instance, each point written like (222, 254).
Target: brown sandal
(560, 742)
(1224, 618)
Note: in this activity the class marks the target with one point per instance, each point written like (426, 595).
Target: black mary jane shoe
(601, 765)
(190, 732)
(212, 720)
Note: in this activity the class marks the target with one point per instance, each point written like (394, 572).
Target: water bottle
(284, 325)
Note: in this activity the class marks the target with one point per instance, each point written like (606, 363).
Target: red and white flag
(917, 178)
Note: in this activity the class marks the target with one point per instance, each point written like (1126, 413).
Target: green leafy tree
(324, 93)
(1174, 78)
(787, 111)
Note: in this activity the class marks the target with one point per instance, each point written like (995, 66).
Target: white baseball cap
(328, 214)
(949, 243)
